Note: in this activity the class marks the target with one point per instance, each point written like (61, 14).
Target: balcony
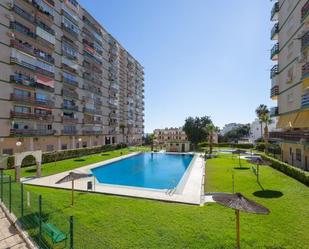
(274, 52)
(69, 31)
(69, 132)
(44, 56)
(305, 100)
(24, 14)
(305, 11)
(22, 46)
(23, 80)
(274, 92)
(92, 111)
(70, 120)
(275, 32)
(70, 107)
(69, 81)
(35, 116)
(305, 70)
(36, 133)
(305, 41)
(295, 136)
(69, 93)
(32, 100)
(92, 133)
(274, 111)
(22, 29)
(92, 89)
(275, 12)
(114, 87)
(92, 121)
(273, 72)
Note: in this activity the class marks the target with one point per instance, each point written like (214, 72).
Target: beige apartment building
(290, 79)
(65, 82)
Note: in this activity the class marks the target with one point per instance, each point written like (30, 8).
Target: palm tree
(261, 111)
(266, 119)
(211, 129)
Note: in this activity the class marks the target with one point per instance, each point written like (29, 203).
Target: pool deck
(189, 189)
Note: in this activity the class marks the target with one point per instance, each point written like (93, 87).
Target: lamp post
(80, 145)
(18, 144)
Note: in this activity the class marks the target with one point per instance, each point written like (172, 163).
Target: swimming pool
(146, 170)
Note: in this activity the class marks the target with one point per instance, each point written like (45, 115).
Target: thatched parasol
(258, 161)
(71, 177)
(240, 203)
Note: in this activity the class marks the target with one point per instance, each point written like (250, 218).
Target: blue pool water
(146, 170)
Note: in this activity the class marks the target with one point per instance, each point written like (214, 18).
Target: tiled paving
(9, 237)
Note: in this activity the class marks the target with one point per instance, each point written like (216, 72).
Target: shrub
(48, 157)
(289, 170)
(238, 146)
(260, 146)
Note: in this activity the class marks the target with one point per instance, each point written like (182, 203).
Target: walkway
(9, 237)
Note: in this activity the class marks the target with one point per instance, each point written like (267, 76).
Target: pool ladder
(170, 191)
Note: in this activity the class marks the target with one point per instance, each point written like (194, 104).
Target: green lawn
(104, 221)
(70, 164)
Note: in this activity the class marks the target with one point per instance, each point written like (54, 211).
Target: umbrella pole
(237, 229)
(72, 192)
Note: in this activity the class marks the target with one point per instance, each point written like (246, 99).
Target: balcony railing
(36, 116)
(69, 93)
(92, 111)
(92, 121)
(274, 52)
(92, 132)
(23, 80)
(22, 29)
(26, 132)
(69, 31)
(70, 81)
(305, 101)
(29, 17)
(305, 41)
(69, 132)
(25, 47)
(273, 72)
(70, 107)
(290, 136)
(32, 100)
(305, 70)
(274, 111)
(274, 12)
(275, 32)
(44, 56)
(67, 119)
(274, 92)
(305, 10)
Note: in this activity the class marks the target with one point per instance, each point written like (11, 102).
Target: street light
(80, 145)
(18, 144)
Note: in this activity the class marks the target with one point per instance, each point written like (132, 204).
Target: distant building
(173, 139)
(255, 129)
(229, 127)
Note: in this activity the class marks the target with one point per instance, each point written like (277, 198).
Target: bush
(238, 146)
(260, 146)
(289, 170)
(48, 157)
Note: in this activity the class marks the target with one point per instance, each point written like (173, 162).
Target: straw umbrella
(240, 203)
(258, 161)
(238, 152)
(71, 177)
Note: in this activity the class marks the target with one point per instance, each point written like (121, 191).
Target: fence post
(2, 185)
(71, 232)
(22, 199)
(10, 194)
(40, 217)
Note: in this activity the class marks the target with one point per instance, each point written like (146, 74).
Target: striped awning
(45, 81)
(287, 121)
(306, 84)
(302, 120)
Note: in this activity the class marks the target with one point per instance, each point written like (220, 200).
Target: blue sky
(201, 57)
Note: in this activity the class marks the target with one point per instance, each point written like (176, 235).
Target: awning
(302, 120)
(287, 121)
(45, 81)
(306, 84)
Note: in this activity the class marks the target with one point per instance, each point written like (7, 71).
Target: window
(73, 2)
(41, 97)
(69, 50)
(45, 8)
(64, 147)
(45, 66)
(42, 111)
(7, 151)
(70, 25)
(298, 155)
(69, 76)
(45, 35)
(22, 93)
(50, 147)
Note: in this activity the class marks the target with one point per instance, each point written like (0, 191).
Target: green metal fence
(48, 226)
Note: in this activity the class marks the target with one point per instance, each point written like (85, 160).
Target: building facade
(256, 132)
(290, 79)
(65, 81)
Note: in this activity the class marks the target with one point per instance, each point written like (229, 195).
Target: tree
(266, 119)
(195, 129)
(260, 112)
(211, 129)
(149, 139)
(237, 133)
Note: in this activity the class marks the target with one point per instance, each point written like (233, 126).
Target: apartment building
(65, 82)
(255, 129)
(290, 79)
(173, 139)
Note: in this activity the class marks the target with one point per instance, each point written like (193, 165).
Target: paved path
(9, 237)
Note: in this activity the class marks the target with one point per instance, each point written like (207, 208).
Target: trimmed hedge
(260, 147)
(48, 157)
(238, 146)
(289, 170)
